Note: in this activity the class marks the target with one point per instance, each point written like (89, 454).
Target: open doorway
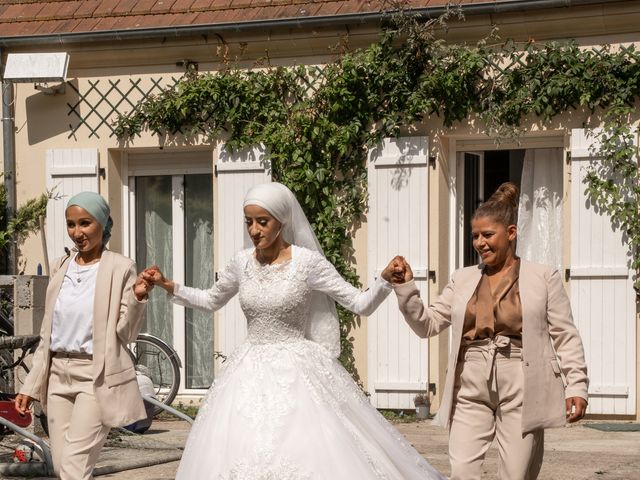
(538, 173)
(484, 172)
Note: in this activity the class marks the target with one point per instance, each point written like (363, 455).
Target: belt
(489, 347)
(77, 355)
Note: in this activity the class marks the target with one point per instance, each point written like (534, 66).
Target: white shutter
(602, 294)
(236, 174)
(397, 224)
(69, 171)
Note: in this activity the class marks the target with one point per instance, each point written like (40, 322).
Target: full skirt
(288, 411)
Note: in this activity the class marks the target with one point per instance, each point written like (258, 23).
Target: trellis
(99, 105)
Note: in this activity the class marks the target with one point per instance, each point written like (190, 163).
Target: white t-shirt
(72, 328)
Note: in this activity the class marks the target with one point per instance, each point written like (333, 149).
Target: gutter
(370, 18)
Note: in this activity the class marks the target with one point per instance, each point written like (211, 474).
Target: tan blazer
(117, 319)
(553, 356)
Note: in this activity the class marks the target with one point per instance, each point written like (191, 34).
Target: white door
(397, 224)
(69, 171)
(602, 294)
(236, 174)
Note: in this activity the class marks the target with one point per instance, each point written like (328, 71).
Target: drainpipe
(8, 144)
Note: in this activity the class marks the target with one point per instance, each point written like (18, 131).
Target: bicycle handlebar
(21, 341)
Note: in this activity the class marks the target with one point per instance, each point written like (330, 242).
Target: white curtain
(199, 323)
(540, 211)
(155, 247)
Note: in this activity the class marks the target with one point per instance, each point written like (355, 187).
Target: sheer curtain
(155, 247)
(199, 273)
(540, 211)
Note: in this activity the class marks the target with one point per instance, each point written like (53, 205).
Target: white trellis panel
(602, 294)
(68, 171)
(236, 174)
(397, 225)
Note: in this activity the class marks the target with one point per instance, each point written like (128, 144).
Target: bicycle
(156, 359)
(151, 356)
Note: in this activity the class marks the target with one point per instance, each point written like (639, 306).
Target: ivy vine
(318, 127)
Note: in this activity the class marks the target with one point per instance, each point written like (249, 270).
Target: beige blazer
(553, 356)
(117, 319)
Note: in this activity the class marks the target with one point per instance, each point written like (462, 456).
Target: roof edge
(366, 18)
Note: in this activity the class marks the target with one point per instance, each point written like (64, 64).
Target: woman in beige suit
(517, 363)
(82, 373)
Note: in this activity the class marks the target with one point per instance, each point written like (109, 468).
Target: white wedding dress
(282, 407)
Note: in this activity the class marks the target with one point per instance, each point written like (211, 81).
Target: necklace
(78, 272)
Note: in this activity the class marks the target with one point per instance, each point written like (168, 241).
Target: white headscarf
(323, 326)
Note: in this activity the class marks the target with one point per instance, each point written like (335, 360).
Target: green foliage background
(24, 221)
(318, 129)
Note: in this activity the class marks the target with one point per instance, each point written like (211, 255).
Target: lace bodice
(276, 298)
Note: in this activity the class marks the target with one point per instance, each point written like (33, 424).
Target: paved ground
(572, 453)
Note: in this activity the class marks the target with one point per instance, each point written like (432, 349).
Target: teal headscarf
(98, 208)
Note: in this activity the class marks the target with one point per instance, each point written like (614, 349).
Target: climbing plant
(318, 124)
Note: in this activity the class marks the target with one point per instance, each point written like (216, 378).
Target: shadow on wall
(47, 115)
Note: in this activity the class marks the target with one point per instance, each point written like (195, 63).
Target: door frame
(475, 144)
(174, 164)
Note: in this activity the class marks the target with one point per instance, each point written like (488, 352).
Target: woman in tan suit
(517, 363)
(82, 373)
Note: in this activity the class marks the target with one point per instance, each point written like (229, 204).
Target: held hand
(142, 287)
(395, 271)
(576, 408)
(23, 403)
(154, 276)
(408, 273)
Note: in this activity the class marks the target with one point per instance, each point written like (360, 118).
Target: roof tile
(353, 6)
(143, 6)
(328, 8)
(186, 19)
(182, 5)
(70, 24)
(16, 28)
(43, 28)
(87, 25)
(215, 4)
(206, 18)
(16, 11)
(129, 22)
(124, 6)
(105, 8)
(106, 23)
(69, 8)
(87, 8)
(162, 6)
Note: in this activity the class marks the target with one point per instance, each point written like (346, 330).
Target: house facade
(176, 201)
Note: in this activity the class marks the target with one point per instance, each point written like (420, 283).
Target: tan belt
(75, 355)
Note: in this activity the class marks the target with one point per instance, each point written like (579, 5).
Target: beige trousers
(76, 432)
(488, 398)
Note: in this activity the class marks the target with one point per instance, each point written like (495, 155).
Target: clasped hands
(148, 278)
(398, 271)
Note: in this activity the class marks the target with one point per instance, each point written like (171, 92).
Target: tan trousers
(76, 431)
(488, 403)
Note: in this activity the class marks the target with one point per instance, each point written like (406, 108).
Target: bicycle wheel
(155, 359)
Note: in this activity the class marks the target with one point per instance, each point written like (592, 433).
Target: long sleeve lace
(324, 277)
(214, 298)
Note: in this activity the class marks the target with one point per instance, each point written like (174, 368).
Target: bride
(283, 407)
